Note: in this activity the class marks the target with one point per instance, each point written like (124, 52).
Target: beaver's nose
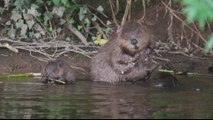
(134, 42)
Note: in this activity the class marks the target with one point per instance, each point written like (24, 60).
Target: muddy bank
(178, 38)
(182, 63)
(22, 62)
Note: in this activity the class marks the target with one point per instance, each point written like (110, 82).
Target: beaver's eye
(134, 41)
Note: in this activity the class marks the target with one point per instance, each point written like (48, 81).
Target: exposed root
(49, 50)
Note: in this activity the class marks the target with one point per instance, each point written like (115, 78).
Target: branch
(127, 11)
(78, 34)
(42, 48)
(172, 11)
(113, 13)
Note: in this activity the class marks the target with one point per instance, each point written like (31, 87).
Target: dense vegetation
(39, 20)
(200, 10)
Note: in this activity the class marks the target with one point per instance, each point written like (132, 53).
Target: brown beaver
(126, 57)
(210, 69)
(57, 70)
(163, 80)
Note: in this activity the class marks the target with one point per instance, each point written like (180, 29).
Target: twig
(170, 25)
(113, 13)
(60, 47)
(160, 58)
(144, 10)
(127, 12)
(172, 11)
(78, 34)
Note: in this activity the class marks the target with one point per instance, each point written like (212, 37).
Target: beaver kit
(126, 57)
(57, 71)
(163, 80)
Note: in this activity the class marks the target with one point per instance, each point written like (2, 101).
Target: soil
(159, 20)
(23, 62)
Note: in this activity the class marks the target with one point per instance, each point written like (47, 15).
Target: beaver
(210, 69)
(126, 57)
(162, 80)
(57, 70)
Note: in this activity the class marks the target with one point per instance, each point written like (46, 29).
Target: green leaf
(100, 8)
(33, 11)
(59, 11)
(81, 17)
(35, 6)
(23, 30)
(99, 40)
(49, 3)
(56, 2)
(39, 1)
(209, 44)
(47, 16)
(15, 15)
(19, 23)
(12, 33)
(86, 21)
(79, 27)
(8, 22)
(50, 29)
(65, 2)
(59, 30)
(39, 29)
(82, 13)
(68, 39)
(71, 21)
(106, 30)
(30, 23)
(191, 14)
(37, 35)
(94, 18)
(62, 21)
(108, 22)
(1, 10)
(18, 4)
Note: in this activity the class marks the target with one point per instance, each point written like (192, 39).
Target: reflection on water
(31, 99)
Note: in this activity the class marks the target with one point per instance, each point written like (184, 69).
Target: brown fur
(163, 80)
(120, 60)
(57, 70)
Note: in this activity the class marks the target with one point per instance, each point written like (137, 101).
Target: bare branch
(78, 34)
(127, 12)
(59, 47)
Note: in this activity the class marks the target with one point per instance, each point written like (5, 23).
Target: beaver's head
(134, 37)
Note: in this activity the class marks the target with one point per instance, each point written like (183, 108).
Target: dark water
(30, 99)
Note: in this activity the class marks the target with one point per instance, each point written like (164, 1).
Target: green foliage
(168, 115)
(38, 18)
(200, 10)
(209, 45)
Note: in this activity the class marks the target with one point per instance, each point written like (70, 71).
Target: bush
(201, 11)
(39, 18)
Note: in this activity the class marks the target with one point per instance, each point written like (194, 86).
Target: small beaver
(163, 80)
(57, 70)
(126, 57)
(210, 69)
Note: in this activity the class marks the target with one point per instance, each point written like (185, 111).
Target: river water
(30, 99)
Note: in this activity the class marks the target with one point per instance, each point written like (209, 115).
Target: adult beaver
(57, 70)
(126, 57)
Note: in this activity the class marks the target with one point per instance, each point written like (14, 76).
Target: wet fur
(119, 60)
(57, 70)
